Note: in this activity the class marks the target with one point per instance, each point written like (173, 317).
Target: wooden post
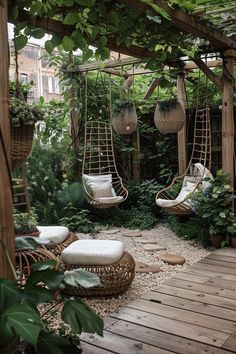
(136, 156)
(74, 121)
(6, 220)
(228, 117)
(182, 133)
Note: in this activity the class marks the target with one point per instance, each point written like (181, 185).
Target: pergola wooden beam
(210, 74)
(150, 89)
(187, 23)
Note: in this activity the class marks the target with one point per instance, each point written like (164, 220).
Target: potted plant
(169, 116)
(124, 116)
(25, 224)
(22, 120)
(214, 207)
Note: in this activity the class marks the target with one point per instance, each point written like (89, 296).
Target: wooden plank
(226, 251)
(222, 258)
(190, 304)
(183, 315)
(202, 271)
(214, 268)
(6, 206)
(210, 74)
(122, 345)
(150, 89)
(221, 283)
(169, 325)
(200, 279)
(198, 296)
(202, 288)
(163, 340)
(219, 263)
(230, 344)
(91, 349)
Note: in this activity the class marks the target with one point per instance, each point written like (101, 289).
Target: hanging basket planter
(124, 118)
(22, 121)
(21, 144)
(169, 116)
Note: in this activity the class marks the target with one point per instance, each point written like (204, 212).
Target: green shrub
(77, 221)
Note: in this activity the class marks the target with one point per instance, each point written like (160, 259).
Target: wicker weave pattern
(169, 121)
(201, 153)
(99, 159)
(25, 258)
(125, 123)
(116, 278)
(21, 144)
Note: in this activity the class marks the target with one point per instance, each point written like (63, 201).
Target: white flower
(222, 215)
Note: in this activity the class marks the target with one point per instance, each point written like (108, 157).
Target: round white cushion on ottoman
(93, 252)
(53, 234)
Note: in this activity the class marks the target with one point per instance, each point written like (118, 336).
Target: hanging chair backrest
(201, 151)
(99, 156)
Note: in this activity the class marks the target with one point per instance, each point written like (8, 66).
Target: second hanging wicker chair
(176, 198)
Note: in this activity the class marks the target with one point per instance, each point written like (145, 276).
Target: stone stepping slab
(110, 232)
(172, 259)
(135, 233)
(153, 247)
(147, 241)
(141, 267)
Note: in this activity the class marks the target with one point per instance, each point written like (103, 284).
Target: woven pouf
(115, 277)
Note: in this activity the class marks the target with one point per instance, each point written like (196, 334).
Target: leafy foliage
(25, 223)
(214, 206)
(20, 113)
(19, 316)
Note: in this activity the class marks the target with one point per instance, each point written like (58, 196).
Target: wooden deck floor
(193, 312)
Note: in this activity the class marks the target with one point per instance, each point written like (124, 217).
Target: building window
(23, 78)
(50, 84)
(57, 86)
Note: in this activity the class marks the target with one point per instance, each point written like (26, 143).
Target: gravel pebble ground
(144, 282)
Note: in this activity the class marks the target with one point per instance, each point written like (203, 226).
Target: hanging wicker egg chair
(124, 121)
(169, 116)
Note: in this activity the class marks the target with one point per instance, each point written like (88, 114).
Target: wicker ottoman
(115, 277)
(56, 238)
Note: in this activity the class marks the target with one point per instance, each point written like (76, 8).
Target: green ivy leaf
(81, 277)
(80, 317)
(20, 41)
(27, 242)
(9, 294)
(68, 43)
(87, 3)
(25, 321)
(87, 54)
(71, 18)
(44, 265)
(38, 33)
(56, 40)
(37, 295)
(51, 343)
(114, 18)
(51, 278)
(49, 46)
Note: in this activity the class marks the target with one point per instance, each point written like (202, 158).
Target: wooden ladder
(21, 200)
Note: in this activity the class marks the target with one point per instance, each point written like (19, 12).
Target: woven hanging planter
(169, 119)
(125, 122)
(21, 143)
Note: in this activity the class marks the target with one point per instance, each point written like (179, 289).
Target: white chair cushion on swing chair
(52, 235)
(100, 187)
(187, 188)
(204, 173)
(93, 252)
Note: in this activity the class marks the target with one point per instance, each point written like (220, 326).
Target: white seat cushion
(52, 235)
(184, 193)
(117, 199)
(93, 252)
(98, 182)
